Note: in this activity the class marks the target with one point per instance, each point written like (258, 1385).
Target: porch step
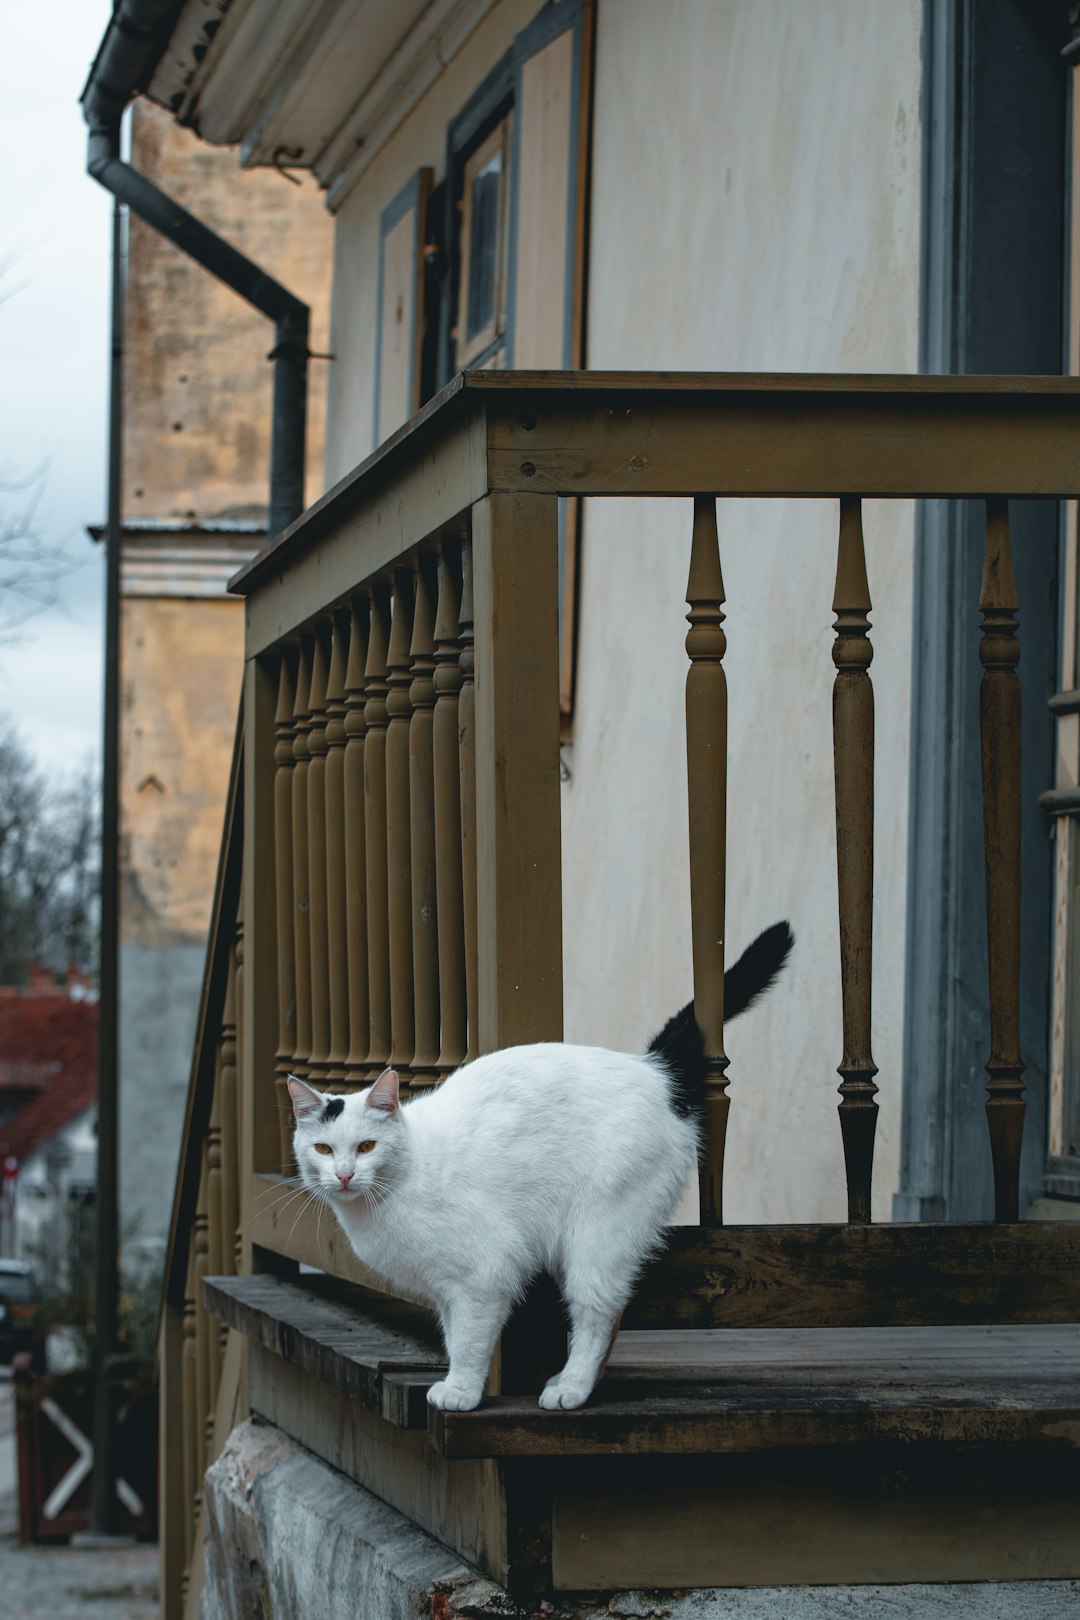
(381, 1352)
(760, 1389)
(674, 1393)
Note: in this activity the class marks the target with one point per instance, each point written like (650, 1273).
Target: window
(480, 332)
(487, 269)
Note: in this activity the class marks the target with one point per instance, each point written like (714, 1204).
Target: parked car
(19, 1302)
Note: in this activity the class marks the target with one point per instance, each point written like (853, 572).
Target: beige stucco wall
(197, 382)
(755, 206)
(182, 662)
(420, 142)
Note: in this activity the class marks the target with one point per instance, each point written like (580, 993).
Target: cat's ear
(305, 1101)
(384, 1093)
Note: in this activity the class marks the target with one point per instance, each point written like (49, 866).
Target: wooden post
(242, 1138)
(256, 955)
(319, 1062)
(398, 832)
(519, 824)
(999, 709)
(518, 807)
(172, 1486)
(283, 870)
(300, 866)
(425, 935)
(215, 1207)
(853, 759)
(706, 773)
(445, 748)
(190, 1382)
(356, 914)
(230, 1125)
(467, 762)
(203, 1403)
(375, 721)
(337, 945)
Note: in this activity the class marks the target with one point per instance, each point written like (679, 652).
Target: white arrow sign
(65, 1489)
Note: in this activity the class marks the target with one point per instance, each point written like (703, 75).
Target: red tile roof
(48, 1043)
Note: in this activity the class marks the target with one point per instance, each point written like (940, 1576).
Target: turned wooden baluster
(445, 747)
(337, 945)
(999, 710)
(398, 834)
(853, 759)
(202, 1328)
(230, 1130)
(706, 772)
(375, 722)
(215, 1206)
(238, 1015)
(425, 934)
(467, 763)
(356, 923)
(300, 864)
(283, 887)
(319, 1062)
(190, 1367)
(215, 1240)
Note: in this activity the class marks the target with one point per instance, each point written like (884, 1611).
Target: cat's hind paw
(564, 1396)
(454, 1397)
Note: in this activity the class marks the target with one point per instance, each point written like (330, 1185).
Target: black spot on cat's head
(332, 1109)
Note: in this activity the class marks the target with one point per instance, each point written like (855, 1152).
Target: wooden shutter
(552, 81)
(548, 199)
(400, 308)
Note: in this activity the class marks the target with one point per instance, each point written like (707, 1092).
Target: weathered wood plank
(785, 443)
(788, 1276)
(369, 527)
(883, 1514)
(696, 1421)
(339, 1334)
(861, 1276)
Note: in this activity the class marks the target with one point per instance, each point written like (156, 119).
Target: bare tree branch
(49, 847)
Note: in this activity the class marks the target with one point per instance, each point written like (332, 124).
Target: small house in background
(196, 427)
(48, 1091)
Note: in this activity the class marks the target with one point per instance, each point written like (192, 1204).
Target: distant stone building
(196, 436)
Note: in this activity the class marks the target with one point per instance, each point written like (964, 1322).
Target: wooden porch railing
(398, 811)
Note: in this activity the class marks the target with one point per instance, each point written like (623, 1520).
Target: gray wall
(159, 1001)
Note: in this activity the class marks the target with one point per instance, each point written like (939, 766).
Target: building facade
(196, 443)
(634, 193)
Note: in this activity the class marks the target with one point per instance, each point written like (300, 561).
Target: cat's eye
(323, 1147)
(365, 1147)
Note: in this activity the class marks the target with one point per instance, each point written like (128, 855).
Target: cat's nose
(345, 1176)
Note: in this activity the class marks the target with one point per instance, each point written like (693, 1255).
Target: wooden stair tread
(380, 1351)
(674, 1392)
(748, 1390)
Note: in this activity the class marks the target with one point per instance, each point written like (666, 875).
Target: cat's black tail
(680, 1044)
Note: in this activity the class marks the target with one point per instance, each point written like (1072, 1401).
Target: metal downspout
(122, 67)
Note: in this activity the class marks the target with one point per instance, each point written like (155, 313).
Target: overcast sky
(54, 295)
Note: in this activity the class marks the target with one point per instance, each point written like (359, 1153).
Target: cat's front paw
(454, 1396)
(564, 1395)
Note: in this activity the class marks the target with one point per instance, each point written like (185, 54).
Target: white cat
(556, 1158)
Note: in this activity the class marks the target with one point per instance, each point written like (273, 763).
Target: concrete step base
(289, 1536)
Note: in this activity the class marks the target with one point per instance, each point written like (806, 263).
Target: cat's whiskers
(312, 1194)
(284, 1199)
(278, 1189)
